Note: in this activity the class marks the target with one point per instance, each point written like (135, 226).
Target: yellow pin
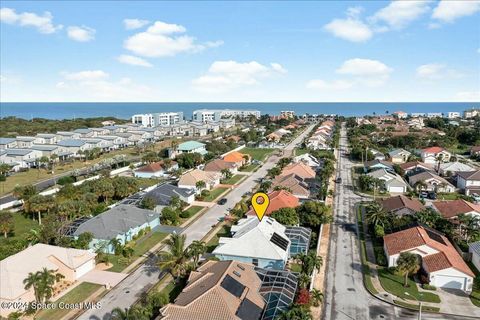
(260, 204)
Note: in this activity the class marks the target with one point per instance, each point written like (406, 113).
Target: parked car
(423, 195)
(222, 201)
(476, 197)
(432, 195)
(338, 180)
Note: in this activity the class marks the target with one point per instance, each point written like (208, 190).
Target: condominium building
(287, 114)
(453, 115)
(207, 115)
(158, 119)
(471, 113)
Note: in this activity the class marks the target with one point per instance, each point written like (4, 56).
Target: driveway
(456, 302)
(105, 278)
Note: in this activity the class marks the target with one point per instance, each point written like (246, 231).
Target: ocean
(126, 110)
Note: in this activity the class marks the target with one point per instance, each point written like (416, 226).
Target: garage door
(449, 282)
(396, 189)
(86, 267)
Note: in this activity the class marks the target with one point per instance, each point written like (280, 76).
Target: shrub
(66, 180)
(429, 287)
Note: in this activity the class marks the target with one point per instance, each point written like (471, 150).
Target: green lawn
(214, 193)
(258, 153)
(22, 225)
(475, 296)
(415, 306)
(78, 294)
(192, 211)
(147, 182)
(295, 267)
(300, 151)
(173, 290)
(448, 196)
(394, 284)
(142, 245)
(250, 168)
(233, 180)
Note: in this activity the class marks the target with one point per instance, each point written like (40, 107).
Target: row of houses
(250, 280)
(320, 139)
(440, 261)
(25, 151)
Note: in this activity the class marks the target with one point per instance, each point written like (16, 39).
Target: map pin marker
(260, 204)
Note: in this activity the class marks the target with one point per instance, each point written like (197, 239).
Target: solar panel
(249, 310)
(279, 241)
(232, 286)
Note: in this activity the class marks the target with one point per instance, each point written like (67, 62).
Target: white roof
(308, 158)
(455, 166)
(252, 238)
(15, 268)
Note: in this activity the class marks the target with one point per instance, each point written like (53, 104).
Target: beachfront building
(158, 119)
(208, 115)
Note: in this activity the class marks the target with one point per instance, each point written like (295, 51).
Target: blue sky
(240, 51)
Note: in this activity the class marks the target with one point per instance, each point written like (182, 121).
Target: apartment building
(207, 115)
(158, 119)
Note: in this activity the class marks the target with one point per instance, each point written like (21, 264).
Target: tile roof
(218, 165)
(426, 175)
(15, 268)
(234, 156)
(412, 238)
(279, 199)
(218, 290)
(293, 182)
(433, 150)
(415, 164)
(190, 178)
(400, 202)
(450, 209)
(470, 175)
(300, 169)
(154, 167)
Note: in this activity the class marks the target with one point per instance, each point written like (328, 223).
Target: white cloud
(87, 75)
(436, 71)
(468, 96)
(134, 61)
(319, 84)
(81, 34)
(227, 75)
(449, 11)
(131, 24)
(366, 71)
(43, 23)
(351, 29)
(163, 40)
(97, 84)
(398, 14)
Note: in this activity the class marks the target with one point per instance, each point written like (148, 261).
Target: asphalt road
(345, 296)
(131, 288)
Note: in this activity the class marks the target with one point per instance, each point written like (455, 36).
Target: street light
(419, 304)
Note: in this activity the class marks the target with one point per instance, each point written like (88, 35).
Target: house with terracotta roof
(469, 182)
(301, 169)
(401, 205)
(431, 155)
(413, 167)
(189, 179)
(71, 263)
(155, 169)
(217, 165)
(296, 184)
(277, 200)
(440, 261)
(227, 290)
(431, 181)
(452, 209)
(238, 158)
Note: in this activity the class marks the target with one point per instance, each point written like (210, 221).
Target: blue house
(122, 222)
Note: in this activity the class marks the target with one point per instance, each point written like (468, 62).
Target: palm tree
(317, 297)
(309, 261)
(53, 160)
(407, 263)
(296, 313)
(439, 160)
(42, 283)
(420, 185)
(33, 237)
(121, 314)
(32, 281)
(195, 250)
(226, 173)
(200, 185)
(116, 245)
(175, 258)
(4, 169)
(303, 280)
(377, 215)
(39, 204)
(6, 222)
(428, 217)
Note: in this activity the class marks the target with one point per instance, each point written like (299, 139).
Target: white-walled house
(393, 182)
(431, 182)
(469, 182)
(7, 143)
(443, 265)
(432, 154)
(474, 250)
(21, 158)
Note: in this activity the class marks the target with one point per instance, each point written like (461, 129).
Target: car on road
(338, 180)
(222, 201)
(432, 195)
